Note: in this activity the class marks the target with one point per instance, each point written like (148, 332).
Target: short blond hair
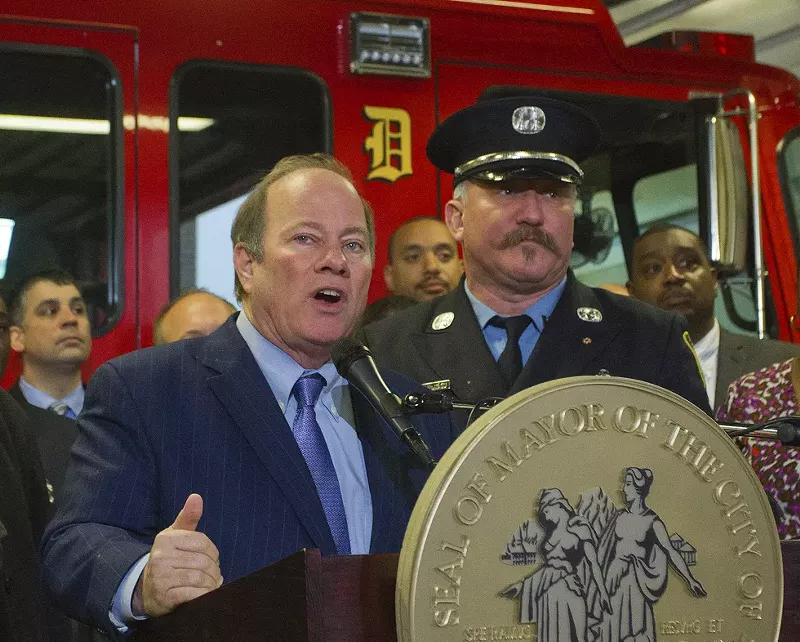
(248, 226)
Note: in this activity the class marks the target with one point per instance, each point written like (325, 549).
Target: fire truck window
(597, 256)
(230, 123)
(789, 163)
(61, 172)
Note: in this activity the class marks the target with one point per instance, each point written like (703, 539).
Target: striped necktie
(315, 451)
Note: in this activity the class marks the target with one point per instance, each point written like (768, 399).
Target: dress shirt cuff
(121, 612)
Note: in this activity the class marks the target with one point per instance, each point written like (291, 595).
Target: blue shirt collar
(36, 397)
(542, 308)
(281, 371)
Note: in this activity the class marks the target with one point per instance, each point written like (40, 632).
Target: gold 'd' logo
(389, 145)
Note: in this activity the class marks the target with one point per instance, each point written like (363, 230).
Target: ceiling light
(20, 122)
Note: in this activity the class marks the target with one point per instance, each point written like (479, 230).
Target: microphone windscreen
(788, 434)
(346, 352)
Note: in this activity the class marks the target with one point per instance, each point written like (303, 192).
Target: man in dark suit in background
(216, 456)
(670, 269)
(520, 317)
(51, 333)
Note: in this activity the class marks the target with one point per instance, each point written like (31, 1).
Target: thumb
(190, 514)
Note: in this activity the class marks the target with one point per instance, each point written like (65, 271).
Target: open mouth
(328, 296)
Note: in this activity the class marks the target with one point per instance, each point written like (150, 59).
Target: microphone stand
(783, 429)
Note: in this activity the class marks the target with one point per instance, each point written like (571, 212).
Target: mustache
(527, 232)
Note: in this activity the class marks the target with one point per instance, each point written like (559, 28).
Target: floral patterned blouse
(757, 397)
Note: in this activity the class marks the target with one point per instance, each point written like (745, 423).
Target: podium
(307, 597)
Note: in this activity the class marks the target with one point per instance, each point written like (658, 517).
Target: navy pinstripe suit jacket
(197, 416)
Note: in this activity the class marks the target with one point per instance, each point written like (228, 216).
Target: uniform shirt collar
(538, 312)
(36, 397)
(281, 371)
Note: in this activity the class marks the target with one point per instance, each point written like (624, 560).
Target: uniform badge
(592, 315)
(528, 120)
(443, 321)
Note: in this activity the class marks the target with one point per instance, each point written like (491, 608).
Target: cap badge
(443, 321)
(528, 120)
(592, 315)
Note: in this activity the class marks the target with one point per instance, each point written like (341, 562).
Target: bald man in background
(423, 260)
(196, 313)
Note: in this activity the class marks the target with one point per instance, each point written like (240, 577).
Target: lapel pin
(443, 321)
(592, 315)
(587, 340)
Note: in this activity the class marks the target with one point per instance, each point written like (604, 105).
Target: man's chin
(430, 292)
(684, 309)
(73, 357)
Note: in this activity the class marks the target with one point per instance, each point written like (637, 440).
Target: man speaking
(201, 461)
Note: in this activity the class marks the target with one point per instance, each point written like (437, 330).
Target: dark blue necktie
(510, 360)
(312, 444)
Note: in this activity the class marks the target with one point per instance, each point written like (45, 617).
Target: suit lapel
(458, 352)
(569, 342)
(241, 388)
(730, 353)
(375, 449)
(388, 463)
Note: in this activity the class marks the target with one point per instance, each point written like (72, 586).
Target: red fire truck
(128, 130)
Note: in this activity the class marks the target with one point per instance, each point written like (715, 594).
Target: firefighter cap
(520, 137)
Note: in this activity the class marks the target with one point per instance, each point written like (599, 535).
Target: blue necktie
(312, 444)
(510, 360)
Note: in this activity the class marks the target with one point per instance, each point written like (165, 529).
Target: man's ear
(243, 263)
(17, 338)
(388, 276)
(454, 217)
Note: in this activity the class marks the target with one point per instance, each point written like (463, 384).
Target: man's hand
(183, 565)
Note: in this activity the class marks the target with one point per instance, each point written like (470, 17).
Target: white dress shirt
(707, 350)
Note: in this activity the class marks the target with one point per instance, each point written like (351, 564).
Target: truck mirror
(727, 197)
(730, 207)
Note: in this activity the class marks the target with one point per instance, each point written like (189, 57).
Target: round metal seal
(591, 508)
(528, 120)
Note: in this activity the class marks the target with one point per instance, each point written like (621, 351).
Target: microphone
(354, 362)
(788, 433)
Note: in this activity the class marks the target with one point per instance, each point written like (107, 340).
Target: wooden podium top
(307, 597)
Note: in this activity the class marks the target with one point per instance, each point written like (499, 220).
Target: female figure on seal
(634, 553)
(554, 596)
